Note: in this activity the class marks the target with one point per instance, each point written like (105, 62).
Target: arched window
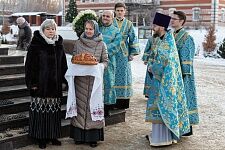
(196, 14)
(223, 15)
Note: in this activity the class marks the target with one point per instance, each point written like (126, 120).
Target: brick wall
(209, 13)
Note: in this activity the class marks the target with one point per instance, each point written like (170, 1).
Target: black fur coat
(45, 67)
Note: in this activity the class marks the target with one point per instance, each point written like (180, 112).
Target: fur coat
(45, 67)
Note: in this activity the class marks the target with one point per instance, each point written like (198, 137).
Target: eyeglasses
(175, 18)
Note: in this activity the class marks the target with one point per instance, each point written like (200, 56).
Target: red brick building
(199, 12)
(36, 18)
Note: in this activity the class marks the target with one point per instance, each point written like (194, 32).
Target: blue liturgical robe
(167, 100)
(145, 59)
(129, 46)
(186, 50)
(112, 39)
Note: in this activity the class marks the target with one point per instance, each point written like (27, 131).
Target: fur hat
(162, 20)
(20, 20)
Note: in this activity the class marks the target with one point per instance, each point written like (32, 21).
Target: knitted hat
(20, 20)
(162, 20)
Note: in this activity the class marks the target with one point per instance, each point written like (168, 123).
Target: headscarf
(45, 24)
(94, 24)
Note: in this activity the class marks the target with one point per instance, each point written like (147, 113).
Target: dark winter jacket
(45, 67)
(25, 35)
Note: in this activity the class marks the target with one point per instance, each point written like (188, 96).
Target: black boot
(93, 144)
(107, 108)
(147, 137)
(79, 142)
(189, 133)
(42, 144)
(56, 142)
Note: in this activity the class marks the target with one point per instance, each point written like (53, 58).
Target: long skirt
(161, 135)
(45, 118)
(83, 135)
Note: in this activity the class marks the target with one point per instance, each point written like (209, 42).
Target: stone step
(14, 121)
(4, 59)
(20, 120)
(9, 92)
(9, 80)
(22, 140)
(4, 51)
(115, 116)
(12, 69)
(20, 104)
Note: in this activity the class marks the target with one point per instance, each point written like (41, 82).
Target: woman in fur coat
(45, 68)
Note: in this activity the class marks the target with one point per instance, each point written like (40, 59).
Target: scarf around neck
(49, 40)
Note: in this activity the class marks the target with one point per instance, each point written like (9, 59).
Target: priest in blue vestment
(186, 50)
(166, 106)
(112, 38)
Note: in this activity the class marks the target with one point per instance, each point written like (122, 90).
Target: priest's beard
(155, 35)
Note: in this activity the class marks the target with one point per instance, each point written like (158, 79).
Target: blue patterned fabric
(167, 101)
(145, 59)
(129, 46)
(147, 50)
(186, 50)
(112, 39)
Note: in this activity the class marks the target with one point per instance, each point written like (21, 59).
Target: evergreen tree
(72, 11)
(222, 49)
(209, 44)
